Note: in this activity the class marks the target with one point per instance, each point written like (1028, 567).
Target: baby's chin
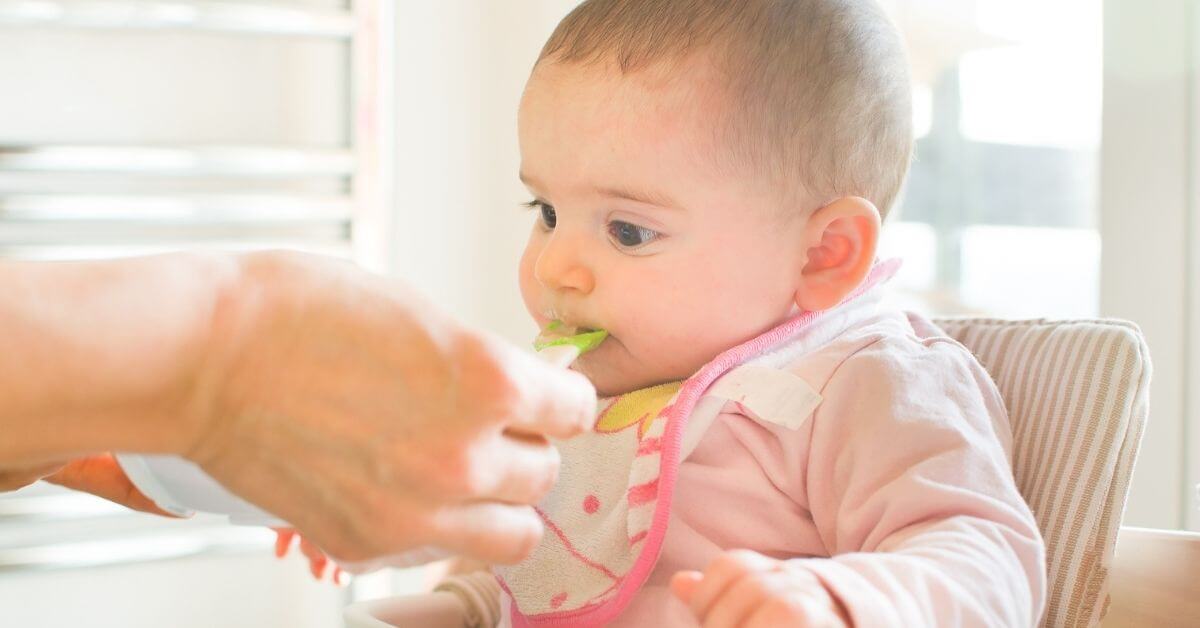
(612, 378)
(611, 386)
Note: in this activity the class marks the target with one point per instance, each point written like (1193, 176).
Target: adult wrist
(101, 355)
(242, 299)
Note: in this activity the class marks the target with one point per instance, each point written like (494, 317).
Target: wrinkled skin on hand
(372, 423)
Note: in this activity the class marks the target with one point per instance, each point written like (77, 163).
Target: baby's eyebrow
(528, 180)
(657, 199)
(647, 197)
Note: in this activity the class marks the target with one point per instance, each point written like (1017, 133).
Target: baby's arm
(912, 493)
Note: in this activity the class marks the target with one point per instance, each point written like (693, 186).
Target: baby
(775, 446)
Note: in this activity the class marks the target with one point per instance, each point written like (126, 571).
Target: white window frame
(1149, 259)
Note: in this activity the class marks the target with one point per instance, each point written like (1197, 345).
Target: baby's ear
(841, 239)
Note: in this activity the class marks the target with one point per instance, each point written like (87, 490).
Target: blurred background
(1054, 177)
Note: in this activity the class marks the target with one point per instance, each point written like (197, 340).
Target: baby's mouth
(559, 333)
(561, 328)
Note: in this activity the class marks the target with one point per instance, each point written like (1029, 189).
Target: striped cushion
(1077, 396)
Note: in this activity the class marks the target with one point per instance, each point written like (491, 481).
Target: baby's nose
(560, 266)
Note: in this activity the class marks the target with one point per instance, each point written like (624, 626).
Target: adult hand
(12, 479)
(371, 422)
(99, 475)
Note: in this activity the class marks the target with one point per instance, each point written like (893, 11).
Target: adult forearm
(339, 401)
(98, 356)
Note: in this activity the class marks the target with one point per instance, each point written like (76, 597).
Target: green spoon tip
(585, 341)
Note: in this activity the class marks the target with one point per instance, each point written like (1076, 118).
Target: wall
(460, 228)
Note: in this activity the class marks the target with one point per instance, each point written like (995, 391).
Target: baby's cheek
(705, 333)
(682, 348)
(672, 325)
(530, 290)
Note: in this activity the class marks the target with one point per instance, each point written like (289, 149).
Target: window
(1000, 210)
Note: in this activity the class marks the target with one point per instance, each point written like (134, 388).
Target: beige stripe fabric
(1077, 394)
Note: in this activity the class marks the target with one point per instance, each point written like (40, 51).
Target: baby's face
(637, 230)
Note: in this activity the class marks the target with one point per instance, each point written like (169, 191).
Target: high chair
(1077, 394)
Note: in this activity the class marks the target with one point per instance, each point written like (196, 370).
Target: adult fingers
(103, 477)
(488, 531)
(317, 560)
(721, 574)
(556, 402)
(13, 479)
(283, 541)
(339, 576)
(521, 469)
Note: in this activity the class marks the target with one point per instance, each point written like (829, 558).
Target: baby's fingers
(685, 583)
(721, 574)
(796, 610)
(734, 608)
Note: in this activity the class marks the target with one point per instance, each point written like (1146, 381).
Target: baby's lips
(581, 338)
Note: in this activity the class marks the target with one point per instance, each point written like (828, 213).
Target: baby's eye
(548, 216)
(629, 235)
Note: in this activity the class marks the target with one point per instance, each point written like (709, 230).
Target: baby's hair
(818, 91)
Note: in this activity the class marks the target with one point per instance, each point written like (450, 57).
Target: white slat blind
(138, 126)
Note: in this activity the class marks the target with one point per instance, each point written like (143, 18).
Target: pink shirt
(897, 491)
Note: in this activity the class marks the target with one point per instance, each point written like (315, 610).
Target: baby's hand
(744, 588)
(317, 560)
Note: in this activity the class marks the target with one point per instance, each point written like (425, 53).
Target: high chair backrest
(1077, 394)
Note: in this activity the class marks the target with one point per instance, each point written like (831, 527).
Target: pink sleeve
(912, 493)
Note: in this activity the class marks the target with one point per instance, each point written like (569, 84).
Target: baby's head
(703, 169)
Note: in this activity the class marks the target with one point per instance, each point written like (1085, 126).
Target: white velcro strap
(770, 395)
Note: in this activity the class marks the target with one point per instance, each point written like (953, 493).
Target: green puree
(585, 340)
